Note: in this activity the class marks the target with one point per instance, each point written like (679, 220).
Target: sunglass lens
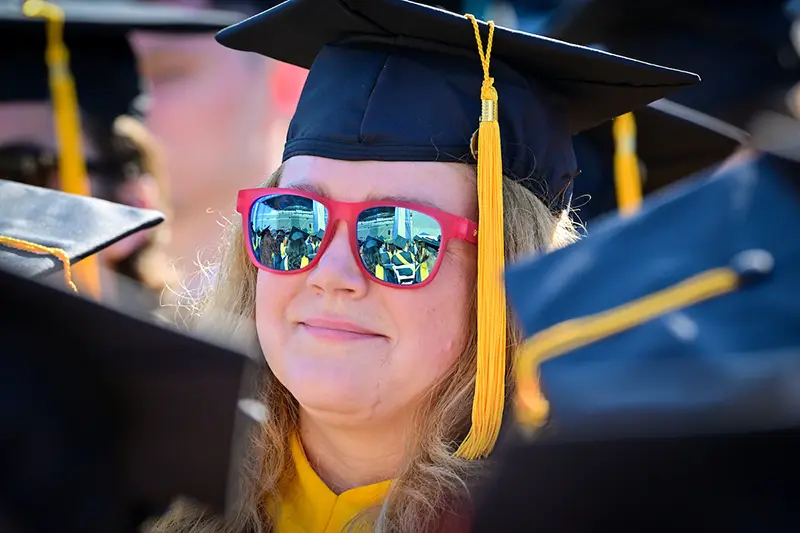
(286, 230)
(398, 245)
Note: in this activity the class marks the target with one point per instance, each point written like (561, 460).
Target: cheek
(273, 297)
(433, 323)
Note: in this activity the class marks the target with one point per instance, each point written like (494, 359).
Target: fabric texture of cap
(80, 226)
(672, 142)
(709, 289)
(105, 418)
(394, 80)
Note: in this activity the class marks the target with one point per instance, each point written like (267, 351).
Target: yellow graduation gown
(307, 505)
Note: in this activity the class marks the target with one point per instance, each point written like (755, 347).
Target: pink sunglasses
(395, 243)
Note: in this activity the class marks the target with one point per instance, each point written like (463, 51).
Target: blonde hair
(434, 482)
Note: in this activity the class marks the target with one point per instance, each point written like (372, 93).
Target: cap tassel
(71, 162)
(627, 176)
(487, 407)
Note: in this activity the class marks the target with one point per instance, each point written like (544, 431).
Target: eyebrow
(320, 190)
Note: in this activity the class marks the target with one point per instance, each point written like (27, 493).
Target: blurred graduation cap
(672, 142)
(394, 80)
(79, 226)
(681, 317)
(741, 49)
(372, 242)
(668, 350)
(105, 418)
(296, 234)
(400, 241)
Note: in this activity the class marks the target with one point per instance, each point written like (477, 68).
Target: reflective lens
(286, 230)
(398, 245)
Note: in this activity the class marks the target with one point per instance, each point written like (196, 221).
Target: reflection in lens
(286, 230)
(398, 245)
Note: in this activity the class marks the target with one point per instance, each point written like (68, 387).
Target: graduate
(96, 406)
(382, 399)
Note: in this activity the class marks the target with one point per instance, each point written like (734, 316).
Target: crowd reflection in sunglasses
(395, 260)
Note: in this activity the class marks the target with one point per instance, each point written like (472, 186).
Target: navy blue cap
(740, 48)
(394, 80)
(728, 362)
(79, 225)
(672, 142)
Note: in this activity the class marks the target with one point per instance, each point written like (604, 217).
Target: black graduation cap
(741, 48)
(400, 241)
(692, 307)
(296, 234)
(743, 482)
(105, 418)
(672, 142)
(396, 80)
(80, 226)
(372, 242)
(101, 60)
(320, 234)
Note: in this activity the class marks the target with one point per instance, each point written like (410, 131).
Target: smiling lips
(337, 330)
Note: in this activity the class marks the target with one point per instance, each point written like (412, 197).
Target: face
(351, 350)
(207, 106)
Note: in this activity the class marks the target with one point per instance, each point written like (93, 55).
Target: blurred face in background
(209, 108)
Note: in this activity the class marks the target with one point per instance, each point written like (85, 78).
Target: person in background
(123, 159)
(220, 128)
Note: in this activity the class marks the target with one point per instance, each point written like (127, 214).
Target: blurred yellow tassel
(71, 163)
(487, 407)
(627, 175)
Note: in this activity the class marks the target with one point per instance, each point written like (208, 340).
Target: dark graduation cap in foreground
(670, 358)
(102, 62)
(672, 142)
(80, 226)
(394, 80)
(740, 48)
(104, 418)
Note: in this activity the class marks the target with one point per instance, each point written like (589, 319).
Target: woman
(377, 395)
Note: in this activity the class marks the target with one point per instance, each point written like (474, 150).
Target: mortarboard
(682, 316)
(672, 142)
(400, 241)
(296, 234)
(107, 418)
(79, 226)
(372, 242)
(394, 80)
(670, 355)
(746, 60)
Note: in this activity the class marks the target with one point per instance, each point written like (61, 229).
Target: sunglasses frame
(452, 226)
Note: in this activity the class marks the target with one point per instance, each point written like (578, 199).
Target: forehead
(446, 186)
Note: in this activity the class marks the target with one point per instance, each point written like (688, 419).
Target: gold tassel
(71, 162)
(627, 176)
(487, 407)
